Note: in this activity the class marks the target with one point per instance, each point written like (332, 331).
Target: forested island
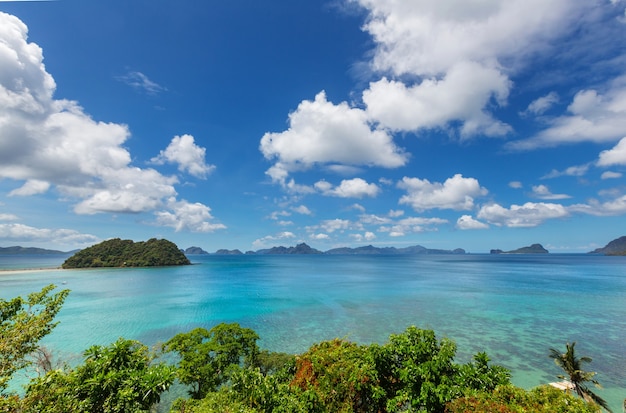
(127, 253)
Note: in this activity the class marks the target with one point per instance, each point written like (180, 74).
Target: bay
(514, 307)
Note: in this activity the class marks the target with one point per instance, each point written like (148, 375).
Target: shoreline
(9, 271)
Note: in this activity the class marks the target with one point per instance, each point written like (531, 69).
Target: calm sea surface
(515, 307)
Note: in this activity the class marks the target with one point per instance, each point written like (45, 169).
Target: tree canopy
(126, 253)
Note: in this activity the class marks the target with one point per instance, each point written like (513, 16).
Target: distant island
(195, 251)
(126, 253)
(533, 249)
(30, 251)
(615, 247)
(304, 249)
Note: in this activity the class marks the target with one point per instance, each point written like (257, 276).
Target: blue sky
(245, 124)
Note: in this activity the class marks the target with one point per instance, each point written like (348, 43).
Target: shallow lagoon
(515, 307)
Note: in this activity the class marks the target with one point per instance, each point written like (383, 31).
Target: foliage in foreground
(573, 367)
(225, 371)
(509, 399)
(23, 322)
(119, 378)
(126, 253)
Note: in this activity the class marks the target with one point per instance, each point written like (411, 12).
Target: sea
(514, 307)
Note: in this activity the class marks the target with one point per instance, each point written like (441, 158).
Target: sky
(474, 124)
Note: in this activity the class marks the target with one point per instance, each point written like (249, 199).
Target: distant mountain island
(126, 253)
(30, 251)
(615, 247)
(304, 249)
(533, 249)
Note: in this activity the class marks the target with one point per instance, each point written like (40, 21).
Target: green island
(117, 252)
(223, 370)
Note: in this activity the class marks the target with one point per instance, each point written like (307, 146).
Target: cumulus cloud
(349, 188)
(265, 241)
(543, 192)
(302, 210)
(614, 156)
(25, 233)
(467, 222)
(332, 225)
(592, 116)
(412, 225)
(367, 236)
(614, 205)
(187, 216)
(322, 133)
(456, 193)
(47, 142)
(319, 237)
(189, 157)
(528, 215)
(461, 55)
(611, 175)
(435, 102)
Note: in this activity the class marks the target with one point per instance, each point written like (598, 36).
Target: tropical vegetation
(572, 365)
(223, 370)
(127, 253)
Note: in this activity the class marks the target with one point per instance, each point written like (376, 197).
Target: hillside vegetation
(126, 253)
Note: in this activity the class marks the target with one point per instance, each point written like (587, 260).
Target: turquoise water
(514, 307)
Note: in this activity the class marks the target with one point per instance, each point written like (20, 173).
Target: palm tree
(572, 365)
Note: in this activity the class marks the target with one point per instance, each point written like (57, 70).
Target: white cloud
(332, 225)
(319, 237)
(31, 187)
(611, 175)
(427, 37)
(25, 233)
(368, 236)
(140, 82)
(371, 219)
(322, 133)
(186, 216)
(577, 170)
(436, 102)
(528, 215)
(349, 188)
(455, 193)
(543, 192)
(8, 217)
(358, 207)
(302, 210)
(542, 104)
(53, 143)
(183, 151)
(593, 116)
(413, 225)
(396, 213)
(461, 55)
(467, 222)
(614, 156)
(515, 184)
(612, 207)
(265, 241)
